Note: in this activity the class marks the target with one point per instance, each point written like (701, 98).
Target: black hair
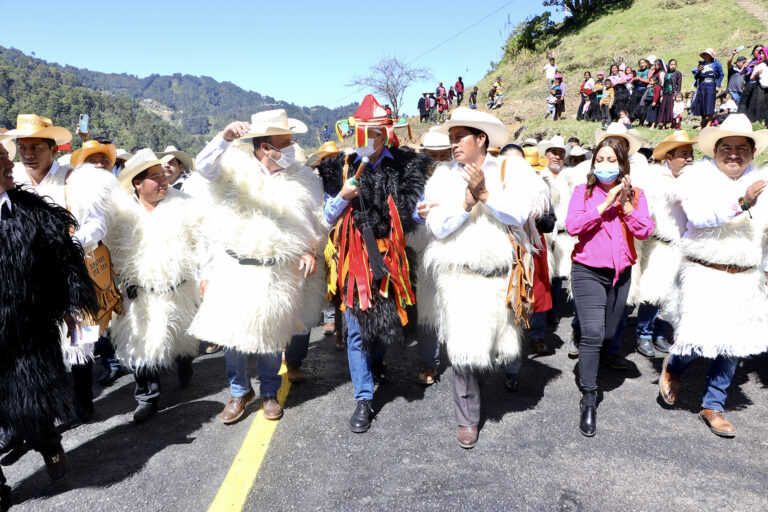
(139, 177)
(749, 139)
(102, 140)
(509, 147)
(574, 139)
(256, 141)
(136, 149)
(475, 132)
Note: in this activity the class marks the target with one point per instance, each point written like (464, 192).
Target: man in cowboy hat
(372, 214)
(100, 152)
(177, 167)
(155, 238)
(121, 156)
(44, 277)
(720, 300)
(436, 145)
(82, 192)
(575, 155)
(660, 255)
(480, 205)
(260, 287)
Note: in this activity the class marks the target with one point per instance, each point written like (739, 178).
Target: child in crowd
(653, 102)
(606, 102)
(689, 101)
(624, 119)
(551, 101)
(727, 105)
(677, 111)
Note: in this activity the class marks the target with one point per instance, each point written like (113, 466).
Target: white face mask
(366, 150)
(287, 156)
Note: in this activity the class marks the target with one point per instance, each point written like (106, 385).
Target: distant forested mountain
(155, 111)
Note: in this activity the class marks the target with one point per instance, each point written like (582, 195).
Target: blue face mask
(606, 172)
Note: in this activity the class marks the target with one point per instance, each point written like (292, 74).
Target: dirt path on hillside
(756, 10)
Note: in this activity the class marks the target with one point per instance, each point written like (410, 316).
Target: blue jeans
(736, 95)
(238, 373)
(649, 326)
(538, 325)
(719, 377)
(360, 360)
(297, 349)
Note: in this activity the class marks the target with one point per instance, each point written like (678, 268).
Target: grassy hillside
(625, 32)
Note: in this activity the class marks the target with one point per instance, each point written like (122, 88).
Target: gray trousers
(466, 396)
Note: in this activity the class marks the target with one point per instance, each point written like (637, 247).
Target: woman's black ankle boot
(588, 422)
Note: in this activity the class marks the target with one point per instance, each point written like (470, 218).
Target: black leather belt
(262, 262)
(132, 290)
(497, 272)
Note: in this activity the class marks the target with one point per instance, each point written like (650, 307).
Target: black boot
(361, 418)
(144, 411)
(588, 422)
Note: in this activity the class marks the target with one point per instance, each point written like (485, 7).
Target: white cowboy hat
(141, 161)
(434, 141)
(555, 142)
(178, 155)
(122, 154)
(273, 122)
(529, 142)
(34, 126)
(487, 123)
(618, 130)
(735, 125)
(576, 151)
(9, 146)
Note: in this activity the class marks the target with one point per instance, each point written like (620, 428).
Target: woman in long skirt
(673, 83)
(709, 75)
(619, 79)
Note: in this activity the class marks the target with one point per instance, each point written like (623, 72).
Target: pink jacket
(602, 241)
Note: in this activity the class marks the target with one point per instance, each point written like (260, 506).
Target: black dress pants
(148, 380)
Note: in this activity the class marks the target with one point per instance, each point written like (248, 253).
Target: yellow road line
(239, 480)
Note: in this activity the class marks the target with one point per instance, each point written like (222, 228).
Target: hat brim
(125, 178)
(295, 127)
(9, 146)
(665, 147)
(57, 133)
(546, 146)
(182, 157)
(711, 134)
(79, 156)
(634, 142)
(497, 134)
(569, 158)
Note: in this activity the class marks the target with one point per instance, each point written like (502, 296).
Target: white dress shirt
(93, 226)
(444, 221)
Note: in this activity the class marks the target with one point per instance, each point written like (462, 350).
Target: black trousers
(148, 380)
(82, 376)
(600, 306)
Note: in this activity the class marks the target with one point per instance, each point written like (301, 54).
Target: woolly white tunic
(160, 253)
(469, 310)
(257, 308)
(715, 312)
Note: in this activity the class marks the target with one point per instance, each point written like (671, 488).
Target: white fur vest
(256, 308)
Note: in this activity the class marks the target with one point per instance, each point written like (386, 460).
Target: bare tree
(390, 77)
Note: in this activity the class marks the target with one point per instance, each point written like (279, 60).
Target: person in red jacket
(459, 88)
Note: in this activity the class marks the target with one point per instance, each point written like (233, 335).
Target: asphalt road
(530, 455)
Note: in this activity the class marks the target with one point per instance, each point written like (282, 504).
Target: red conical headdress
(371, 113)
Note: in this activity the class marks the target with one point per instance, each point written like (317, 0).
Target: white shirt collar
(4, 199)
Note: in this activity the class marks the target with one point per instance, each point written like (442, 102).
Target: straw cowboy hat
(710, 52)
(531, 155)
(618, 130)
(434, 141)
(576, 151)
(178, 155)
(735, 125)
(92, 147)
(34, 126)
(122, 154)
(328, 148)
(487, 123)
(555, 142)
(273, 122)
(9, 146)
(138, 163)
(675, 140)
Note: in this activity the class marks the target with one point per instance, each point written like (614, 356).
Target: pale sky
(302, 52)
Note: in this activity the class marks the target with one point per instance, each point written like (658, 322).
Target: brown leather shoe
(668, 384)
(427, 376)
(272, 408)
(294, 373)
(235, 408)
(329, 328)
(56, 464)
(466, 436)
(717, 423)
